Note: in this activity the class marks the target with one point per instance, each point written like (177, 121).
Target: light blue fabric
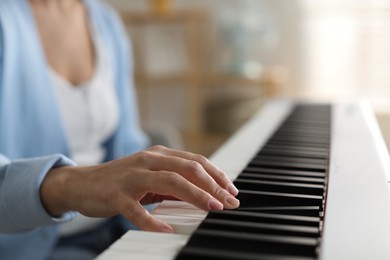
(21, 210)
(29, 115)
(31, 129)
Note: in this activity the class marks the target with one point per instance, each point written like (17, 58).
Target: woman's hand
(121, 186)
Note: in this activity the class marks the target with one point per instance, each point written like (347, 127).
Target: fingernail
(232, 189)
(232, 201)
(167, 228)
(215, 204)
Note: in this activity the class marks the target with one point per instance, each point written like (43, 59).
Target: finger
(141, 218)
(153, 198)
(169, 183)
(211, 169)
(195, 173)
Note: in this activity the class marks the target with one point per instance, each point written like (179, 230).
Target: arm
(122, 186)
(20, 204)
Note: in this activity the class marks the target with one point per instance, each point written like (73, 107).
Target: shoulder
(112, 31)
(105, 14)
(109, 24)
(12, 15)
(15, 21)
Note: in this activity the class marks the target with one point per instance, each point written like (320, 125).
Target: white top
(90, 110)
(90, 115)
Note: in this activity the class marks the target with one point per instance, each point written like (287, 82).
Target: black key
(276, 178)
(280, 158)
(259, 228)
(310, 211)
(289, 165)
(284, 172)
(258, 217)
(300, 139)
(302, 132)
(263, 199)
(283, 187)
(196, 253)
(254, 243)
(294, 153)
(297, 147)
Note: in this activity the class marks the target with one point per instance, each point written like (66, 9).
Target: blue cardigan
(32, 137)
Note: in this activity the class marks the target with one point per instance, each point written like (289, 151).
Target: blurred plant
(245, 28)
(161, 7)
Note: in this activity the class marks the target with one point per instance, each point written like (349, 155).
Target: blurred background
(202, 68)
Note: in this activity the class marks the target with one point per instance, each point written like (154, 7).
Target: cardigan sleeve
(21, 208)
(1, 52)
(129, 137)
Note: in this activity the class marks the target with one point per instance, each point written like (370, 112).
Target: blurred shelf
(168, 79)
(174, 17)
(271, 78)
(195, 75)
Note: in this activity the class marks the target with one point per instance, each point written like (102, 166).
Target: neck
(63, 5)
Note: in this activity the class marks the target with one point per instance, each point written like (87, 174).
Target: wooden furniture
(185, 35)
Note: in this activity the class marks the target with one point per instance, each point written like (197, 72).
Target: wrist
(56, 189)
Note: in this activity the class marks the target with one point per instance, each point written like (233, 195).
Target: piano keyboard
(314, 188)
(282, 195)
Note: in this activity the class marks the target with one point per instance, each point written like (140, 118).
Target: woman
(65, 89)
